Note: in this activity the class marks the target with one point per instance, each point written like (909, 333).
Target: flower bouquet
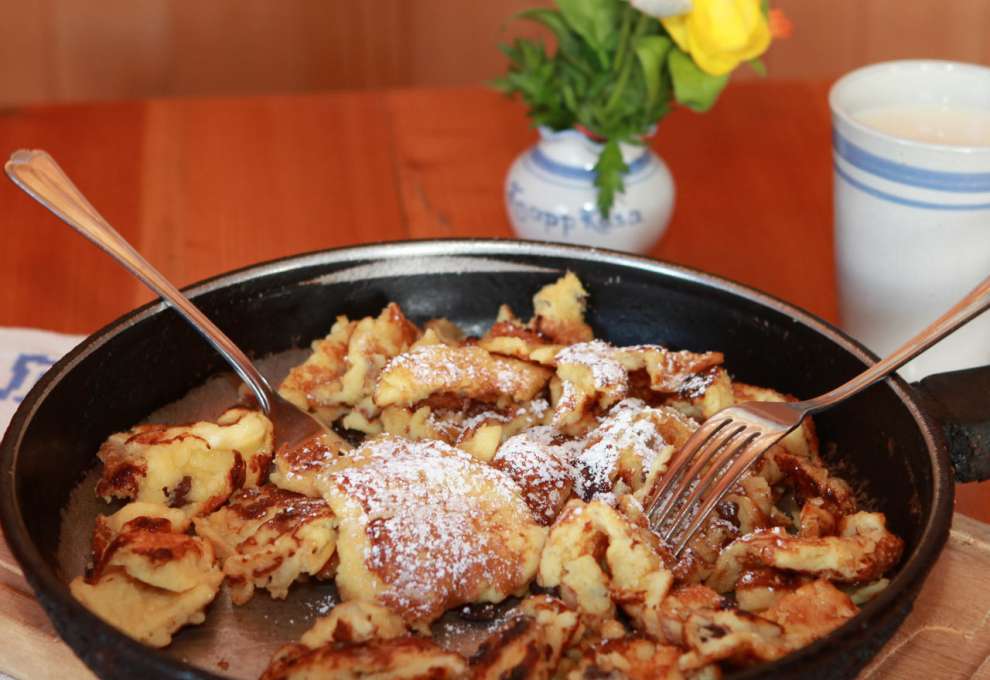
(618, 66)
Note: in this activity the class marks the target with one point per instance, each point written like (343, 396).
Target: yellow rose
(719, 34)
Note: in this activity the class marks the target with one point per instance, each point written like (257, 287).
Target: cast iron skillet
(884, 439)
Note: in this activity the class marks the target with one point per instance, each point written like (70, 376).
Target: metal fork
(729, 443)
(42, 179)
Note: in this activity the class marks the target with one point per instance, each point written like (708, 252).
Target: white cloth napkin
(25, 355)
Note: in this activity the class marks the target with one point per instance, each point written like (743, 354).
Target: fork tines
(701, 473)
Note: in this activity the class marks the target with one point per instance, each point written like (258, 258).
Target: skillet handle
(959, 401)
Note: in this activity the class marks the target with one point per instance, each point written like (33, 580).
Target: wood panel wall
(58, 50)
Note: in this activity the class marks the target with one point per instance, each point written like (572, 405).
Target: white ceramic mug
(911, 149)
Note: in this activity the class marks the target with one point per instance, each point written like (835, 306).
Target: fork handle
(40, 177)
(971, 306)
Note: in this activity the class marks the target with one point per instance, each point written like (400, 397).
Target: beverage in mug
(930, 124)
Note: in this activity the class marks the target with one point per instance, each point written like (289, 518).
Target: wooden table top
(202, 186)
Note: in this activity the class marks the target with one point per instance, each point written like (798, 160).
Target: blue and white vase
(550, 194)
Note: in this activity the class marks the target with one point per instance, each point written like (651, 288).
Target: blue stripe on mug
(544, 162)
(961, 182)
(911, 203)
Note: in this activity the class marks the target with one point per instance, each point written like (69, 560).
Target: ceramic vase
(550, 194)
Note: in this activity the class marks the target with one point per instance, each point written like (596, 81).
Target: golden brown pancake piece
(337, 380)
(269, 538)
(147, 578)
(298, 466)
(406, 658)
(530, 644)
(478, 429)
(862, 551)
(467, 372)
(558, 311)
(540, 463)
(631, 657)
(600, 557)
(424, 527)
(629, 449)
(354, 622)
(193, 467)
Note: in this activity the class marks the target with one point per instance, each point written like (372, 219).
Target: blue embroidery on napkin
(19, 374)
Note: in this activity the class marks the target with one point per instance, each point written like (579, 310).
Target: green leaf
(535, 77)
(608, 175)
(693, 87)
(758, 66)
(651, 50)
(501, 84)
(597, 21)
(569, 44)
(556, 23)
(570, 97)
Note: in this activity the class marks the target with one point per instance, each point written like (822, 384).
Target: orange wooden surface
(205, 185)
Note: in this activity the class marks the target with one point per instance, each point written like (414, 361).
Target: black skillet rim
(59, 605)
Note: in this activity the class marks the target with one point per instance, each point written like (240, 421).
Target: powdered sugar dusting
(541, 463)
(599, 357)
(624, 431)
(506, 379)
(628, 441)
(570, 399)
(441, 527)
(437, 363)
(468, 370)
(455, 425)
(694, 385)
(471, 423)
(324, 604)
(606, 497)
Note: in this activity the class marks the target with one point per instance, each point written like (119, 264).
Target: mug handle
(959, 402)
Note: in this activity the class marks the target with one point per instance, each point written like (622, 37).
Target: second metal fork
(729, 443)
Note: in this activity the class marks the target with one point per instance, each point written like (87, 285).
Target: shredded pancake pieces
(489, 485)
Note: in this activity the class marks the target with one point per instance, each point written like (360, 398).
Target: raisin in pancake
(193, 467)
